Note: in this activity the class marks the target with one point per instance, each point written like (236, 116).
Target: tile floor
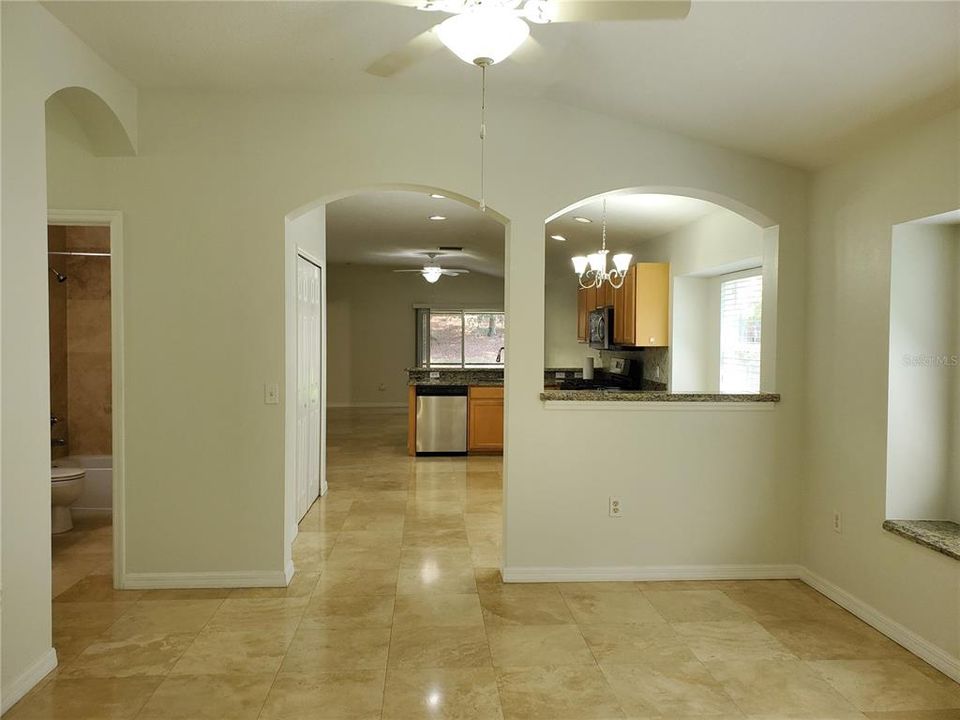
(397, 612)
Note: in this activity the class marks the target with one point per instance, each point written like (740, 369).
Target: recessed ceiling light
(580, 219)
(561, 238)
(438, 217)
(437, 196)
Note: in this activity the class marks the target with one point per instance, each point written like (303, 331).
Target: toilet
(66, 485)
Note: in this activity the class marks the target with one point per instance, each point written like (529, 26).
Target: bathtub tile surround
(431, 630)
(57, 299)
(88, 342)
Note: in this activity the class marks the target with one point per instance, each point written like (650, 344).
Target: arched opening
(94, 123)
(410, 282)
(693, 308)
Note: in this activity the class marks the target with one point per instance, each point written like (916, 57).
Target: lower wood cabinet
(485, 420)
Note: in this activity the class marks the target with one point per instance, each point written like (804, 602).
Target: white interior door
(308, 384)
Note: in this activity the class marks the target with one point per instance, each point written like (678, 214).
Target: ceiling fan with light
(484, 32)
(431, 270)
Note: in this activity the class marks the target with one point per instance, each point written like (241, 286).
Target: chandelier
(592, 270)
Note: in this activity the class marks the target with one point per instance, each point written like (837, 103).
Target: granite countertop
(656, 396)
(940, 535)
(456, 376)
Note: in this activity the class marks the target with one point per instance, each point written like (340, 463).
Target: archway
(306, 240)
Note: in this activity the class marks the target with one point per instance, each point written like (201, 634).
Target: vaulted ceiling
(792, 81)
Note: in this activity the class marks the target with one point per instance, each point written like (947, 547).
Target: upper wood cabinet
(583, 316)
(641, 306)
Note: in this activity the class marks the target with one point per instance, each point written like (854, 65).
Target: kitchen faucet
(500, 354)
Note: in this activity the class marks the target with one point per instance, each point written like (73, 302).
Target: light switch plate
(560, 375)
(271, 394)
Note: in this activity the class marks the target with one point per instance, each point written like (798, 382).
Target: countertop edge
(654, 396)
(902, 528)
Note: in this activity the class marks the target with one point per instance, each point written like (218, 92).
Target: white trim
(922, 648)
(366, 405)
(661, 406)
(114, 220)
(651, 573)
(238, 579)
(289, 572)
(28, 680)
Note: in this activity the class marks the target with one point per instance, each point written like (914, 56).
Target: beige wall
(88, 341)
(854, 206)
(39, 58)
(371, 330)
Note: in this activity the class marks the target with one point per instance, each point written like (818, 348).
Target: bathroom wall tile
(87, 238)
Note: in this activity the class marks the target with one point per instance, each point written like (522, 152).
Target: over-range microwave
(601, 328)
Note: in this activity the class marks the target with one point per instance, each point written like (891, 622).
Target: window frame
(423, 313)
(721, 281)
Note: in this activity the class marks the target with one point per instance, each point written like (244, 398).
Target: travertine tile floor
(397, 612)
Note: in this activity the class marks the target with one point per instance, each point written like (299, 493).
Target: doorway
(310, 485)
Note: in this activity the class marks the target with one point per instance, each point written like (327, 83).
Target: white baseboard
(28, 679)
(651, 573)
(240, 579)
(368, 405)
(288, 573)
(924, 649)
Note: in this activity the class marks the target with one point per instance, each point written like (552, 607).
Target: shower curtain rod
(82, 254)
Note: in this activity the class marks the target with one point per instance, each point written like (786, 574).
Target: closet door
(308, 384)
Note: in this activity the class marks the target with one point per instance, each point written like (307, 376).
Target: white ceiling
(393, 229)
(631, 219)
(792, 81)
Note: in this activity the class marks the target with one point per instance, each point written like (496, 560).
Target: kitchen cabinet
(485, 420)
(641, 306)
(583, 316)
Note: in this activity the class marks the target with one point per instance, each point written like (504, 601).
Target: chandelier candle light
(592, 269)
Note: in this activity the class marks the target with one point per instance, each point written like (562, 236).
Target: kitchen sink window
(460, 338)
(741, 300)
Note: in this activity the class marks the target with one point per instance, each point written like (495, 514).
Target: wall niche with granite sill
(923, 418)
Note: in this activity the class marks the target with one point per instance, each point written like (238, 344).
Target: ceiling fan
(484, 32)
(432, 271)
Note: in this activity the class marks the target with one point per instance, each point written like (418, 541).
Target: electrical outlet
(271, 394)
(616, 507)
(837, 522)
(434, 375)
(560, 375)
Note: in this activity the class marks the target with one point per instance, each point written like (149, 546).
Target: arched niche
(106, 134)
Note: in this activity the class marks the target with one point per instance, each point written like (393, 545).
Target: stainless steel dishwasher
(441, 419)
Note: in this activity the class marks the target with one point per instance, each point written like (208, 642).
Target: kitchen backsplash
(652, 358)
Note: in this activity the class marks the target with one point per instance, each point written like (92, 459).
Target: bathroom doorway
(85, 325)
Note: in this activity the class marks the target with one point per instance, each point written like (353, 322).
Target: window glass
(482, 337)
(446, 333)
(741, 301)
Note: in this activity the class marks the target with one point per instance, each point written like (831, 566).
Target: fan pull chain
(483, 133)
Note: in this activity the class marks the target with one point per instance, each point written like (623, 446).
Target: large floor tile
(234, 652)
(139, 655)
(331, 649)
(662, 688)
(603, 607)
(436, 610)
(524, 645)
(525, 605)
(265, 614)
(164, 617)
(86, 699)
(785, 688)
(208, 697)
(727, 640)
(460, 694)
(357, 581)
(341, 695)
(887, 685)
(439, 647)
(345, 611)
(557, 693)
(696, 605)
(635, 644)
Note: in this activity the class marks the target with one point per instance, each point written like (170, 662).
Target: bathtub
(98, 484)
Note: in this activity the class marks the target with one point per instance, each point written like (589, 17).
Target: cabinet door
(618, 308)
(652, 304)
(629, 314)
(485, 420)
(591, 298)
(583, 316)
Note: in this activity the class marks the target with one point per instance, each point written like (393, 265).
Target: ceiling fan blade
(422, 46)
(587, 10)
(529, 52)
(455, 271)
(407, 270)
